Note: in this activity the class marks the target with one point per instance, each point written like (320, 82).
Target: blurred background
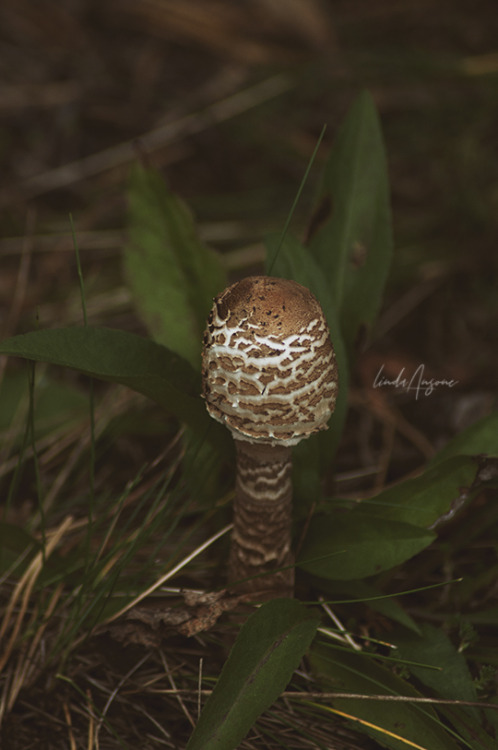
(228, 100)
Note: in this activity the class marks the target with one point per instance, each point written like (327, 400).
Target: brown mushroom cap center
(269, 370)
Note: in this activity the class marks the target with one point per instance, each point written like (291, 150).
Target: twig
(289, 694)
(171, 132)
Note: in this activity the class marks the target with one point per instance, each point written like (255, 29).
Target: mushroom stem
(261, 540)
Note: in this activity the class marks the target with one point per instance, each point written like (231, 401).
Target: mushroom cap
(269, 369)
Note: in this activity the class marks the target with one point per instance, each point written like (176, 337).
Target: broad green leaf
(267, 651)
(425, 499)
(295, 262)
(119, 357)
(353, 244)
(351, 545)
(451, 677)
(450, 680)
(173, 276)
(481, 438)
(358, 673)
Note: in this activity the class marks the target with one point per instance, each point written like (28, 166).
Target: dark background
(228, 100)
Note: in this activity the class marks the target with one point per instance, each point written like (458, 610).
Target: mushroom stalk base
(261, 537)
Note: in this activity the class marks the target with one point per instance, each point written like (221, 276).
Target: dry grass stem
(30, 660)
(177, 694)
(343, 635)
(171, 573)
(67, 714)
(25, 586)
(113, 695)
(199, 688)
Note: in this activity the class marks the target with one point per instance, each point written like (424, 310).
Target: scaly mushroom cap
(269, 370)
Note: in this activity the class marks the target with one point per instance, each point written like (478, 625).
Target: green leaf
(119, 357)
(267, 651)
(481, 438)
(424, 499)
(353, 243)
(172, 275)
(351, 545)
(358, 673)
(450, 680)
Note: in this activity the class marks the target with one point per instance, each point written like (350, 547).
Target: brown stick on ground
(262, 533)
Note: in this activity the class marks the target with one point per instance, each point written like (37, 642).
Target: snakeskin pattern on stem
(261, 538)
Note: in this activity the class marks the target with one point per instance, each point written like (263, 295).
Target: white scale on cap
(269, 370)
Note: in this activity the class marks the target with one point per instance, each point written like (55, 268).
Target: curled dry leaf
(149, 626)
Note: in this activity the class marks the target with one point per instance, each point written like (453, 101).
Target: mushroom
(269, 374)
